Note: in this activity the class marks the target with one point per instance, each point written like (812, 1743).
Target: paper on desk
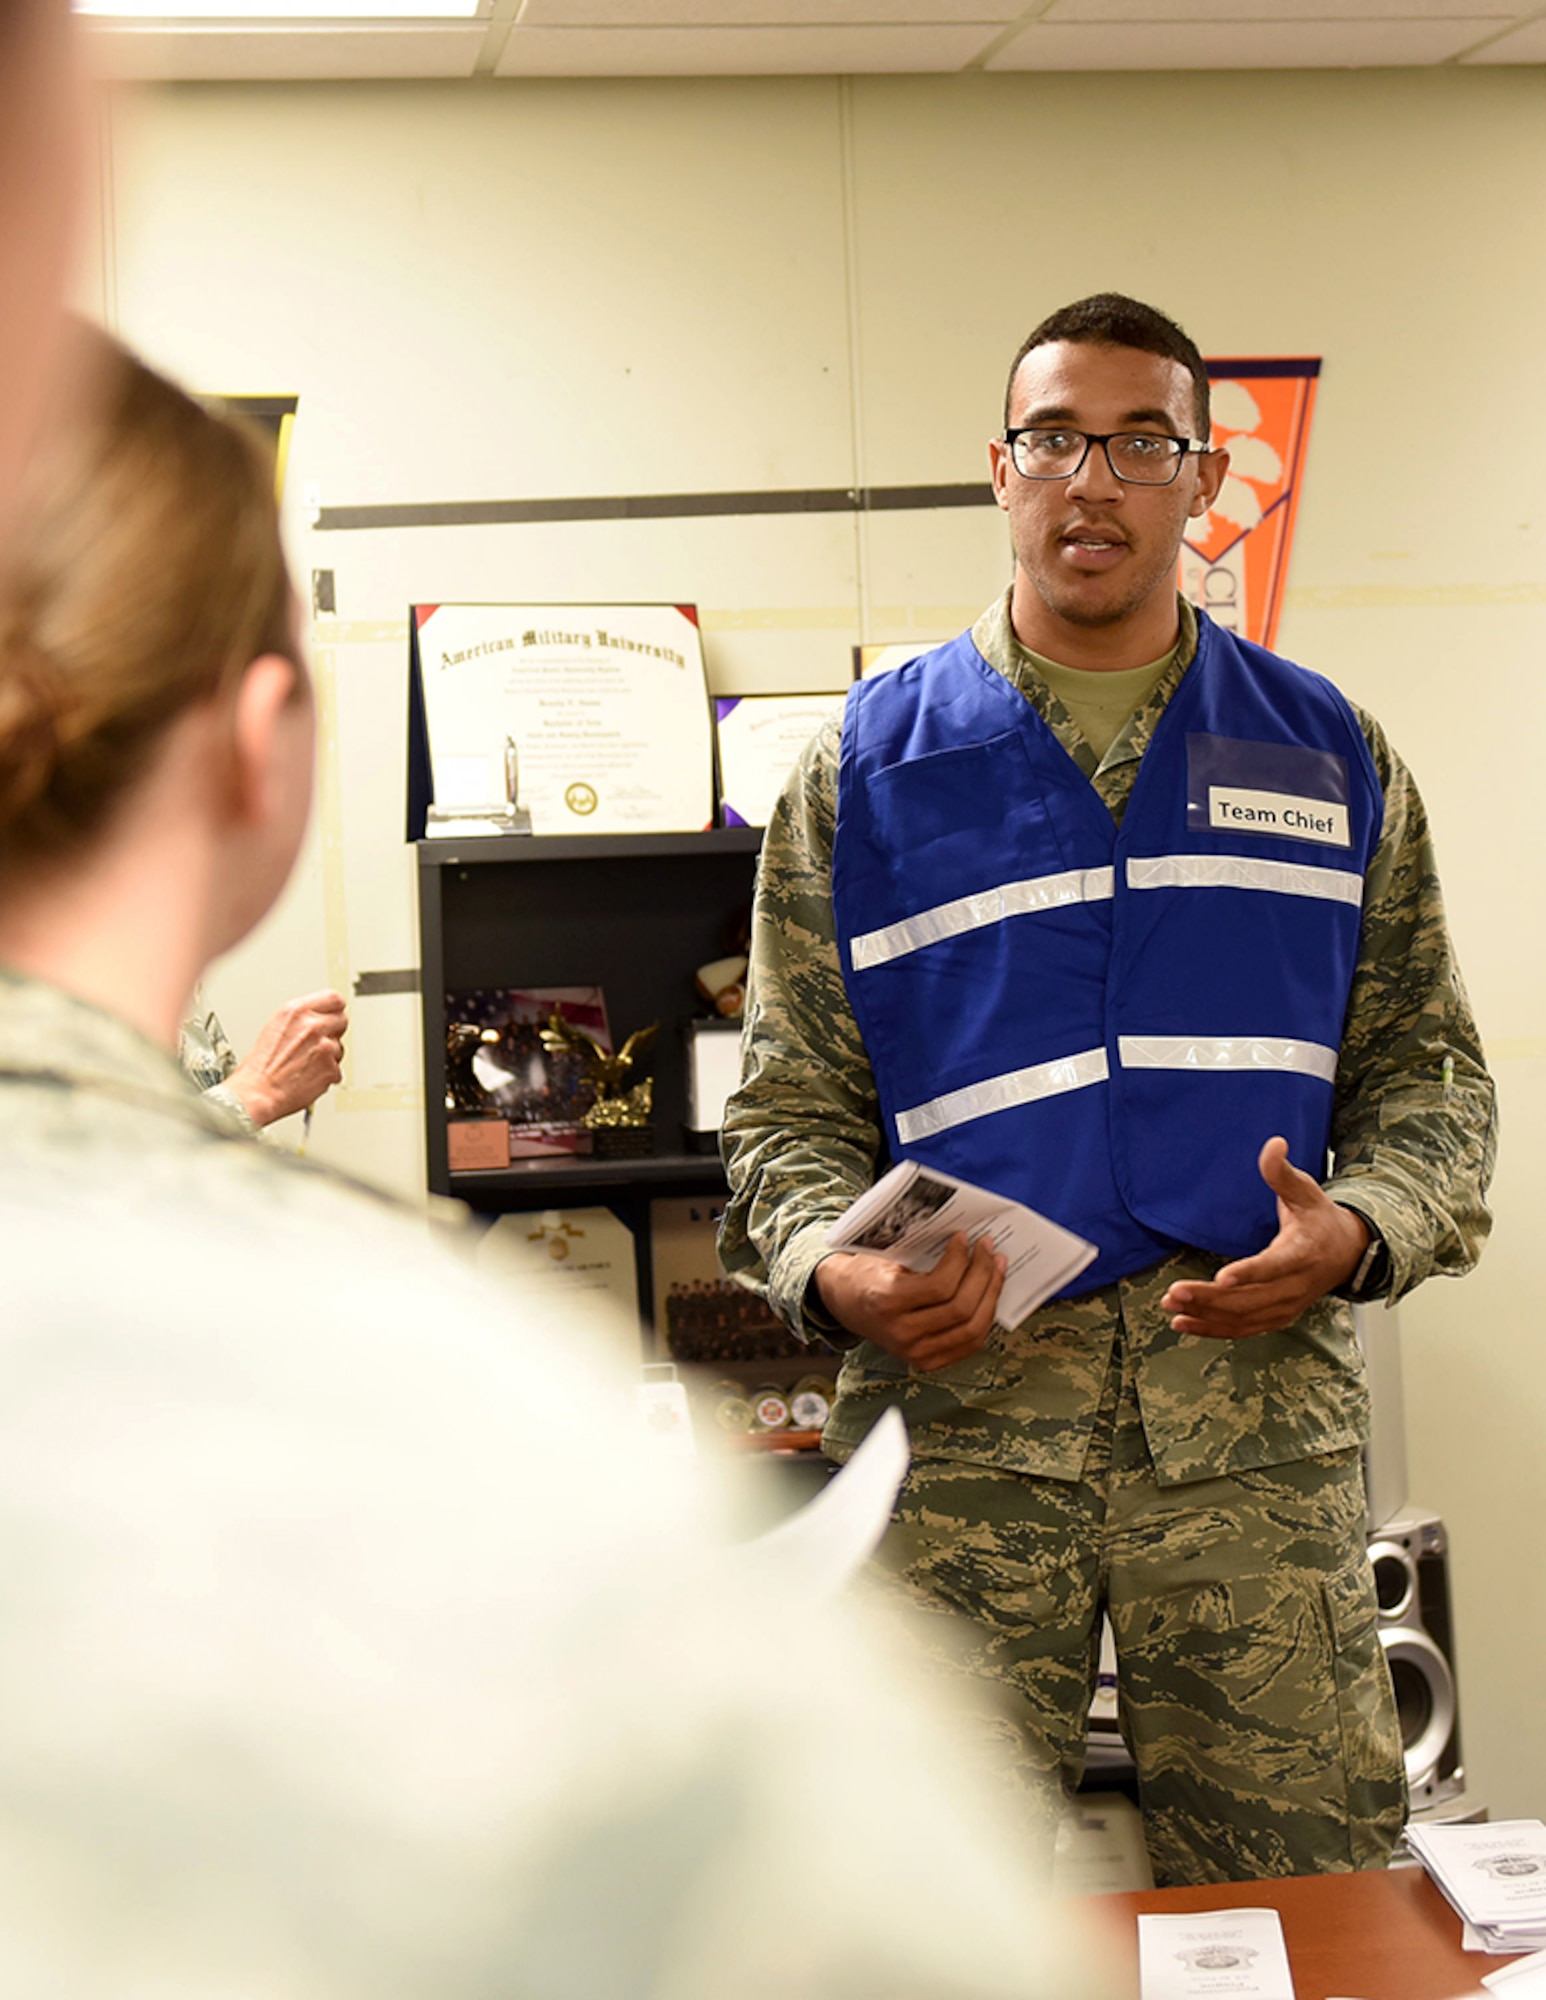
(1525, 1979)
(1494, 1874)
(1216, 1952)
(912, 1212)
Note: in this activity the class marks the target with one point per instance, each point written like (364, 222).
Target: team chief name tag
(1283, 790)
(1235, 810)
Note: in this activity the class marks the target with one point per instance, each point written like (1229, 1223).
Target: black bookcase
(634, 914)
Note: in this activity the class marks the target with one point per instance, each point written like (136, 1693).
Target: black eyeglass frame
(1189, 447)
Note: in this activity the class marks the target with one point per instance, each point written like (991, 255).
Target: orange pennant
(1235, 558)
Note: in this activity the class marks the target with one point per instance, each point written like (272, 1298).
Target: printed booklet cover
(912, 1212)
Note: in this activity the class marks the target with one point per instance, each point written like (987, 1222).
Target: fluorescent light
(282, 10)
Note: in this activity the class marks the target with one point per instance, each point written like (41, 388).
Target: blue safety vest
(1105, 1024)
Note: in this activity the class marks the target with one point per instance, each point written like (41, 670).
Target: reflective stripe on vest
(1095, 885)
(1237, 871)
(1234, 1052)
(989, 906)
(999, 1093)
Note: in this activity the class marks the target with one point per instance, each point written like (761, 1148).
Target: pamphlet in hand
(912, 1212)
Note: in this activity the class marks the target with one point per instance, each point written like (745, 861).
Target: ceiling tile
(819, 51)
(766, 13)
(835, 37)
(211, 54)
(1339, 44)
(1527, 44)
(1349, 14)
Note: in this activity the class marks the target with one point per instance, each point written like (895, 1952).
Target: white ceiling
(524, 38)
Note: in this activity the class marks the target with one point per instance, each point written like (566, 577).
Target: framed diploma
(558, 718)
(760, 738)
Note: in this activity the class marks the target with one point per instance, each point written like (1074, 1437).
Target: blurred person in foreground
(349, 1644)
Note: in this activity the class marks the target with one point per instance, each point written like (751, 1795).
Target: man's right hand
(927, 1318)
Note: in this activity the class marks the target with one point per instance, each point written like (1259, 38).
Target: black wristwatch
(1371, 1280)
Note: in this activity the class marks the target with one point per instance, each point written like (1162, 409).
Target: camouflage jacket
(1412, 1137)
(205, 1052)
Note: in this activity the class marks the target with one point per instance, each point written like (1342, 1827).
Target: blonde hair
(146, 575)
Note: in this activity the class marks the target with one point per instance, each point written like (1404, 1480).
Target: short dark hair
(1110, 319)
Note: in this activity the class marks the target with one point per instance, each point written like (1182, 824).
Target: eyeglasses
(1137, 458)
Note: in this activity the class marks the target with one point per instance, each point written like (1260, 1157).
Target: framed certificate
(558, 718)
(760, 737)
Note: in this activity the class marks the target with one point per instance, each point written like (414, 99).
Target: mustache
(1091, 529)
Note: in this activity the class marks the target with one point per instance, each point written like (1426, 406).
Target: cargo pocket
(1372, 1753)
(869, 1366)
(960, 807)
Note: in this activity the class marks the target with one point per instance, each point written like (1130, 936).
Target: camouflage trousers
(1253, 1692)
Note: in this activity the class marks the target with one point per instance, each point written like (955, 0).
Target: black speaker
(1410, 1554)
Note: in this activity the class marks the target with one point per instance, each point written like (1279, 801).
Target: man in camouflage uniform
(1179, 1448)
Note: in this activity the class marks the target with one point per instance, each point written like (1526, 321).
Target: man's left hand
(1317, 1248)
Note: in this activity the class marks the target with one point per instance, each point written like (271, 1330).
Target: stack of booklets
(1494, 1875)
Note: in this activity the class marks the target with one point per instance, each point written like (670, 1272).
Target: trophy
(516, 818)
(463, 1090)
(619, 1120)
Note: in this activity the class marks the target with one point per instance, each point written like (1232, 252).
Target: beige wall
(507, 291)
